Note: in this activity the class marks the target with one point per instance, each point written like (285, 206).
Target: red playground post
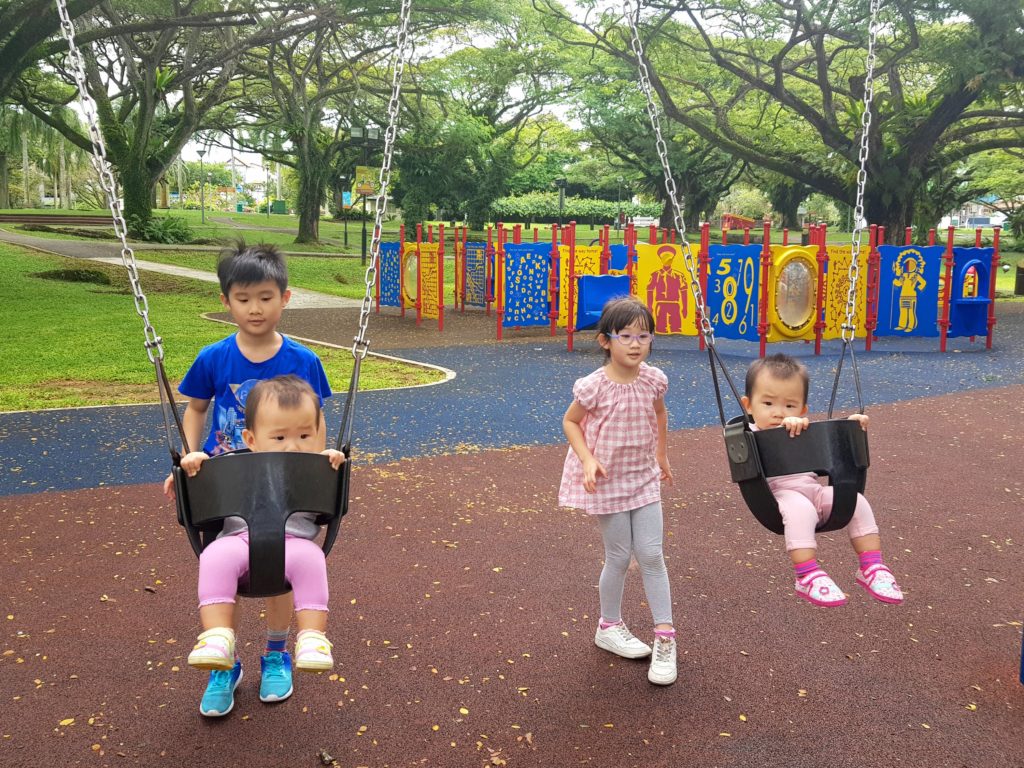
(419, 274)
(703, 270)
(871, 294)
(499, 287)
(819, 299)
(401, 270)
(992, 288)
(946, 291)
(440, 278)
(553, 283)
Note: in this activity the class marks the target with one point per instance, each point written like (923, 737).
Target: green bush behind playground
(72, 337)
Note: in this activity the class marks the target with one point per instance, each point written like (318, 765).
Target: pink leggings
(804, 508)
(225, 562)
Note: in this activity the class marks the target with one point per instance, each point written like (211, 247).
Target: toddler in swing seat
(617, 427)
(281, 414)
(776, 396)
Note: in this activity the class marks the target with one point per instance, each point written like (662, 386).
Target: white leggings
(637, 532)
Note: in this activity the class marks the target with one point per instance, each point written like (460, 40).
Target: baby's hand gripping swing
(836, 448)
(273, 485)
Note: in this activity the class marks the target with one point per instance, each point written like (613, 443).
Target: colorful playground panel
(904, 286)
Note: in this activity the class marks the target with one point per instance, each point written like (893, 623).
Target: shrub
(169, 230)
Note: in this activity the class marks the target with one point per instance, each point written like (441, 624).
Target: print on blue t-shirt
(223, 374)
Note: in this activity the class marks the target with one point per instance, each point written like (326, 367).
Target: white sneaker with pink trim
(214, 649)
(818, 588)
(880, 584)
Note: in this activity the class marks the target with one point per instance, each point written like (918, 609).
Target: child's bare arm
(572, 426)
(337, 458)
(862, 418)
(192, 424)
(795, 424)
(661, 413)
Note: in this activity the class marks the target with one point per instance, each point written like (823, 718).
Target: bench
(55, 219)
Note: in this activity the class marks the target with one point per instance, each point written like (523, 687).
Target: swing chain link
(849, 327)
(153, 343)
(360, 345)
(633, 16)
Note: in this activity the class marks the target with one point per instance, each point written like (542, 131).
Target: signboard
(366, 180)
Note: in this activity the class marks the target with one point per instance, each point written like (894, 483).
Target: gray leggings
(636, 532)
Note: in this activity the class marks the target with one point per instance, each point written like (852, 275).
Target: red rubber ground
(464, 605)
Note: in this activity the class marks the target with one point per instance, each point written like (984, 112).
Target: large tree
(779, 85)
(156, 77)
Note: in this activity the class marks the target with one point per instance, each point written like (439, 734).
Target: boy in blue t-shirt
(254, 290)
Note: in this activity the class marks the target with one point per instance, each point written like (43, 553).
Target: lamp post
(364, 138)
(560, 183)
(344, 213)
(202, 187)
(266, 189)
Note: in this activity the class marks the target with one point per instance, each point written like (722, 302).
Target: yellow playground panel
(792, 293)
(587, 262)
(429, 279)
(664, 284)
(837, 288)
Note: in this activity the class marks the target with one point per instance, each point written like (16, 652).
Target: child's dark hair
(779, 366)
(289, 391)
(244, 264)
(618, 313)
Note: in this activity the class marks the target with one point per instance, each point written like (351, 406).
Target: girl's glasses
(643, 339)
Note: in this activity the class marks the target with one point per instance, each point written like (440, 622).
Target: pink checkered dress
(621, 430)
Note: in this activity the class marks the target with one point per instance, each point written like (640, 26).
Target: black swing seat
(263, 489)
(837, 448)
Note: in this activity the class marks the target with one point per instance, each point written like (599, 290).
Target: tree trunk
(311, 193)
(895, 214)
(5, 182)
(137, 186)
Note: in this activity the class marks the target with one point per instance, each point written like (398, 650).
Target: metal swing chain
(633, 16)
(360, 345)
(153, 343)
(862, 176)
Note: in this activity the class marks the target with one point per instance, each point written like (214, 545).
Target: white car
(644, 221)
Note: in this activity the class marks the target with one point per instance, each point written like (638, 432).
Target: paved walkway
(110, 253)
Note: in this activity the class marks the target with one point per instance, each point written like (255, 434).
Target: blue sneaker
(275, 676)
(219, 698)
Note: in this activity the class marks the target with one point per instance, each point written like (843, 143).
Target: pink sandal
(818, 588)
(880, 584)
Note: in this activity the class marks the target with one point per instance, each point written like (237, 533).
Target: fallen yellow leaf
(67, 721)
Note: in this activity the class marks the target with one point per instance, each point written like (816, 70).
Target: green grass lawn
(74, 339)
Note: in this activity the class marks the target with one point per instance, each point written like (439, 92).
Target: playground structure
(761, 292)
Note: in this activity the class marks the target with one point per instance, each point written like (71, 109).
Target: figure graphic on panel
(910, 281)
(666, 294)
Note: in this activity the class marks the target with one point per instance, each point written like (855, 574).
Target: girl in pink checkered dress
(617, 427)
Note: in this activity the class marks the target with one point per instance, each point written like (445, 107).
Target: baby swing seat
(263, 489)
(837, 449)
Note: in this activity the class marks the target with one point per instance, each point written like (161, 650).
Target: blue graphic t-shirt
(222, 373)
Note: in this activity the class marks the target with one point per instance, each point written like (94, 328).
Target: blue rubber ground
(503, 395)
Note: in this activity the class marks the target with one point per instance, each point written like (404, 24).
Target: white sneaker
(620, 641)
(663, 662)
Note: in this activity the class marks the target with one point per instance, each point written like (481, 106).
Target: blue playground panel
(390, 271)
(968, 315)
(526, 300)
(476, 274)
(734, 289)
(617, 257)
(594, 292)
(908, 292)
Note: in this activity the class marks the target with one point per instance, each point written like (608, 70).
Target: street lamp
(364, 138)
(560, 183)
(266, 189)
(344, 213)
(202, 187)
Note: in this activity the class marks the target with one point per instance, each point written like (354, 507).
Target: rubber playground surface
(464, 601)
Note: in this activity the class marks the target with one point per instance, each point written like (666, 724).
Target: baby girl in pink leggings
(776, 396)
(282, 414)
